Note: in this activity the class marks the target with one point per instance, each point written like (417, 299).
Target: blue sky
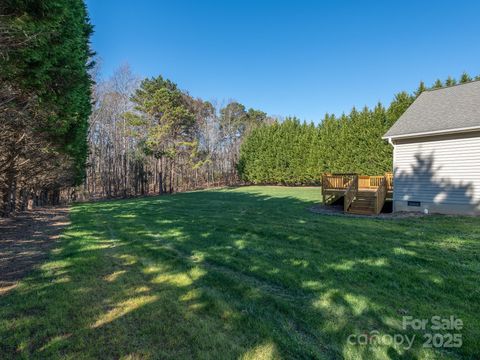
(302, 58)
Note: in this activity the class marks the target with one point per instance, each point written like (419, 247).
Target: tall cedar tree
(54, 67)
(44, 65)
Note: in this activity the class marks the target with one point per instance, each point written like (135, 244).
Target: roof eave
(431, 133)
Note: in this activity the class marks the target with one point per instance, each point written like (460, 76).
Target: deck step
(361, 212)
(363, 204)
(361, 207)
(365, 201)
(368, 195)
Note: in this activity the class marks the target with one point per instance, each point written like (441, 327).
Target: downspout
(393, 194)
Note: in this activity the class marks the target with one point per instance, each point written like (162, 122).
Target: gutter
(431, 133)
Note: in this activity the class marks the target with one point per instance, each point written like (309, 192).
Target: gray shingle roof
(451, 108)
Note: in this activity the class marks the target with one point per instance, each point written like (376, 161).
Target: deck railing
(350, 193)
(342, 181)
(369, 182)
(380, 195)
(336, 181)
(389, 178)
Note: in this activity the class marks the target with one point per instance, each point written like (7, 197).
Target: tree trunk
(171, 176)
(9, 188)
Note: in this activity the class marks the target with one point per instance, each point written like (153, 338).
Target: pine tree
(438, 84)
(421, 88)
(167, 123)
(465, 78)
(450, 81)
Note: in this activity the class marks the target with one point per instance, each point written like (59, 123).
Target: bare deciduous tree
(123, 161)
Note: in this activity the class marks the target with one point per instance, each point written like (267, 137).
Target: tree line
(296, 153)
(65, 132)
(45, 85)
(150, 137)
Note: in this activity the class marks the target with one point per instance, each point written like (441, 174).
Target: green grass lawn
(244, 273)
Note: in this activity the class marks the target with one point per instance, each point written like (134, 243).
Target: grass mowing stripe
(242, 273)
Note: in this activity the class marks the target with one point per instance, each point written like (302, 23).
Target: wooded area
(149, 137)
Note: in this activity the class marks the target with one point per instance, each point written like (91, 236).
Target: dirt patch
(26, 240)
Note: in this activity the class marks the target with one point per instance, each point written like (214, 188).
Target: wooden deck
(361, 194)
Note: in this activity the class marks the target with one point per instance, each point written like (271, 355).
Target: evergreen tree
(166, 122)
(398, 106)
(438, 84)
(450, 81)
(44, 74)
(54, 67)
(465, 78)
(294, 153)
(421, 88)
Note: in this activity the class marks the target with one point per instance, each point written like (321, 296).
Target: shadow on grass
(25, 241)
(241, 274)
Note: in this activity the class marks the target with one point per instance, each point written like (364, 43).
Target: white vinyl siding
(441, 171)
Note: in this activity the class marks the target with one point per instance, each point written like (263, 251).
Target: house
(436, 156)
